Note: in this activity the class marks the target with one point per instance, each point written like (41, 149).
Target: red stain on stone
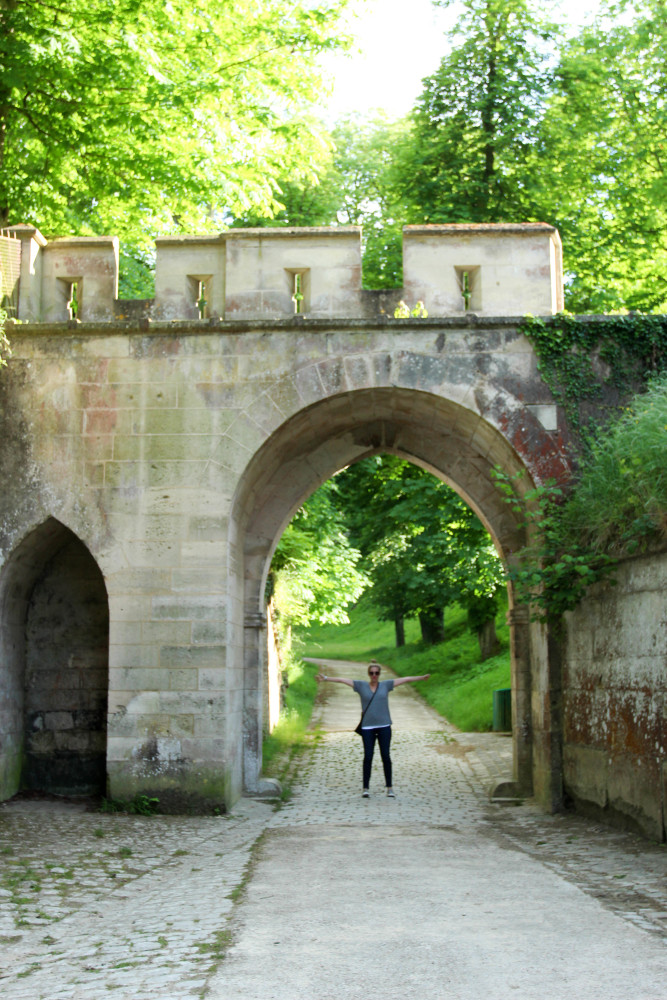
(99, 403)
(543, 453)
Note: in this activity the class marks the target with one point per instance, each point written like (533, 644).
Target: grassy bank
(460, 687)
(289, 735)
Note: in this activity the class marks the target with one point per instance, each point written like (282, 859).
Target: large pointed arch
(453, 442)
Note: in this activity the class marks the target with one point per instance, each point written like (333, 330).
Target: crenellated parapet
(264, 274)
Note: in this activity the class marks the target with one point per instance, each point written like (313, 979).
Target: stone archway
(453, 442)
(54, 642)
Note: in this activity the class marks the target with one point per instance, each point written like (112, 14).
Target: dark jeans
(383, 736)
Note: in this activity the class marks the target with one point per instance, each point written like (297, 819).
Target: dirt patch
(453, 749)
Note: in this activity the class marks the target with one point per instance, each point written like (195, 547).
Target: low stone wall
(614, 698)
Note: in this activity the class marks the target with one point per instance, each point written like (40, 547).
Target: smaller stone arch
(54, 666)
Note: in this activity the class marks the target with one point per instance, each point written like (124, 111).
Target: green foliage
(579, 358)
(617, 507)
(523, 122)
(548, 575)
(140, 805)
(289, 734)
(314, 570)
(478, 116)
(620, 501)
(600, 159)
(145, 117)
(468, 704)
(460, 687)
(422, 546)
(361, 639)
(136, 272)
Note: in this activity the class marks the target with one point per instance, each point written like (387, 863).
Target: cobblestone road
(95, 905)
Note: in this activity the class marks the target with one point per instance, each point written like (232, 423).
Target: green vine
(547, 576)
(616, 508)
(597, 361)
(5, 349)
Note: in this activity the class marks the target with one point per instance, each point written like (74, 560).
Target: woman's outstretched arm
(335, 680)
(409, 680)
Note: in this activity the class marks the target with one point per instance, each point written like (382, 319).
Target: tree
(141, 116)
(423, 547)
(478, 116)
(601, 159)
(314, 571)
(521, 123)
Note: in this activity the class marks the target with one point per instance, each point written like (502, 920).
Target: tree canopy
(478, 115)
(392, 528)
(314, 571)
(423, 548)
(602, 161)
(522, 123)
(142, 116)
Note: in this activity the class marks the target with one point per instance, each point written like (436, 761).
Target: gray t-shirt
(378, 714)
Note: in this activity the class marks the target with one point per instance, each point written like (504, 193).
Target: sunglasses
(374, 673)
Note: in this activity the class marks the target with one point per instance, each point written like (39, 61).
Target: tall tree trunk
(4, 208)
(488, 640)
(399, 625)
(432, 624)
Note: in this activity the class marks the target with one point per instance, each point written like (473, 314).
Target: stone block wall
(177, 453)
(262, 267)
(188, 270)
(614, 661)
(314, 272)
(486, 269)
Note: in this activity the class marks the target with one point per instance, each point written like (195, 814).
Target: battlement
(264, 274)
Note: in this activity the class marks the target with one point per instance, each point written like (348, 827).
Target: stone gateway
(153, 453)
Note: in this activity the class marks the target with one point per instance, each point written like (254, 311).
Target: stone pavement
(436, 893)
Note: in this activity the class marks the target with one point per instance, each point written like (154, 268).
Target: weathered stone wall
(177, 454)
(614, 698)
(259, 274)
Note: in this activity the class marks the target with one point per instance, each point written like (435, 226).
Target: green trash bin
(502, 710)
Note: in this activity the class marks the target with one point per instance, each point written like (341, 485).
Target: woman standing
(375, 720)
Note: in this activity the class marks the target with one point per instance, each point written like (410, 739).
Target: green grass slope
(460, 687)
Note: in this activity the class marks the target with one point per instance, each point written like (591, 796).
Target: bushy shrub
(617, 507)
(621, 497)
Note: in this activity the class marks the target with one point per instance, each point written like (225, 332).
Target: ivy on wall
(618, 505)
(598, 360)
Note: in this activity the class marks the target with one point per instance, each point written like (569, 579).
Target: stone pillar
(254, 646)
(518, 619)
(554, 730)
(30, 288)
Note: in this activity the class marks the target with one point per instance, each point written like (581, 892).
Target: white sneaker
(365, 794)
(390, 793)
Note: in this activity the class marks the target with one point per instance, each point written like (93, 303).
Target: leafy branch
(548, 576)
(617, 508)
(5, 349)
